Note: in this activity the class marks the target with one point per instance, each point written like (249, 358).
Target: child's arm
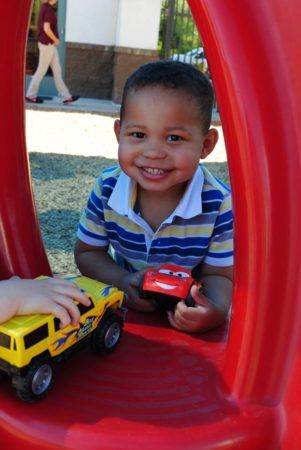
(51, 295)
(212, 306)
(95, 262)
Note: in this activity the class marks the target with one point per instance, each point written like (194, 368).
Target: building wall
(105, 41)
(92, 21)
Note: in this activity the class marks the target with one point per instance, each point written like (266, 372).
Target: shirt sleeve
(48, 16)
(91, 229)
(220, 251)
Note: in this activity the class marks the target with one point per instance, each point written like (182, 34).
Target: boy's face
(161, 139)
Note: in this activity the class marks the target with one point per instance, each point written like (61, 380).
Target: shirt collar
(123, 197)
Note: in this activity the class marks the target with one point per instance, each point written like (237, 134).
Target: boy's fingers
(136, 280)
(176, 322)
(140, 304)
(171, 320)
(199, 298)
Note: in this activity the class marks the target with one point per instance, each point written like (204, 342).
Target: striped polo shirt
(199, 230)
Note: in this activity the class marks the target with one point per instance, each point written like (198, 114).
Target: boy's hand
(51, 295)
(200, 318)
(130, 286)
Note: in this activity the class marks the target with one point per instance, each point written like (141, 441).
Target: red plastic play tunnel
(162, 388)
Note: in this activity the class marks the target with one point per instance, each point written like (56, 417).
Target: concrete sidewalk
(84, 105)
(89, 105)
(84, 128)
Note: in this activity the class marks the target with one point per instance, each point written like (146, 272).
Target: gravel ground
(63, 174)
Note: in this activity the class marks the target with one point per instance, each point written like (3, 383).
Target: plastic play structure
(163, 389)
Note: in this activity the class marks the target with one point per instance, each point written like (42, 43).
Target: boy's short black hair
(173, 75)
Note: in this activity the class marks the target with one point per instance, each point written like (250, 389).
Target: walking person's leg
(45, 58)
(57, 75)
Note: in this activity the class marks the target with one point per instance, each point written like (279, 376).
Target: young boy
(52, 295)
(160, 205)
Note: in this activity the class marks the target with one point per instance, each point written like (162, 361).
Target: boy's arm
(217, 284)
(95, 262)
(212, 305)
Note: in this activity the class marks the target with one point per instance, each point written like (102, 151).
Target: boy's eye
(138, 134)
(174, 138)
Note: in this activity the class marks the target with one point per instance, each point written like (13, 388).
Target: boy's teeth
(154, 171)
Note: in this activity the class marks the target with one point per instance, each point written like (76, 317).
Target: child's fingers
(146, 305)
(77, 294)
(186, 319)
(68, 289)
(172, 321)
(198, 297)
(177, 322)
(61, 313)
(136, 278)
(134, 302)
(70, 308)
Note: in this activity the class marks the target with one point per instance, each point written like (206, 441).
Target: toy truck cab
(31, 346)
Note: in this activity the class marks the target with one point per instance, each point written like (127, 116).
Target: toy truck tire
(37, 381)
(107, 334)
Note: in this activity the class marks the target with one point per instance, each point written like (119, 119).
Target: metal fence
(179, 39)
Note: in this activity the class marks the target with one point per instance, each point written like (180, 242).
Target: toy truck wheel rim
(112, 335)
(41, 379)
(107, 335)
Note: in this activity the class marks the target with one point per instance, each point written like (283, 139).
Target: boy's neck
(156, 207)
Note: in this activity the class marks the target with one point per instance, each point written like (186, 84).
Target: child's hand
(51, 295)
(130, 285)
(200, 318)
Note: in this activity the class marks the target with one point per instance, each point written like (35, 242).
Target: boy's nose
(154, 151)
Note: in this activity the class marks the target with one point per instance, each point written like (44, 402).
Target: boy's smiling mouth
(154, 171)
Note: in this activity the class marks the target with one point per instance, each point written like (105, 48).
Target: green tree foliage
(178, 33)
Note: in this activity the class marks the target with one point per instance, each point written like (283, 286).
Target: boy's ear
(209, 142)
(117, 129)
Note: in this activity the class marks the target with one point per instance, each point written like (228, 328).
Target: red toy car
(168, 284)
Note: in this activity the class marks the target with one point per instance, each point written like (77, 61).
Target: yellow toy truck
(31, 346)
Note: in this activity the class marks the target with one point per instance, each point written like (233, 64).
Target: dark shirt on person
(47, 14)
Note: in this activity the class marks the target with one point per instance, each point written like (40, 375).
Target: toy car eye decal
(182, 274)
(167, 272)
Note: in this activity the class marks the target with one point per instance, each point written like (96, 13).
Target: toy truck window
(5, 340)
(83, 309)
(36, 336)
(56, 324)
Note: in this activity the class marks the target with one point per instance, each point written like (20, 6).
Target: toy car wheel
(107, 335)
(37, 381)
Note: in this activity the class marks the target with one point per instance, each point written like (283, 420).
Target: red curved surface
(163, 388)
(21, 247)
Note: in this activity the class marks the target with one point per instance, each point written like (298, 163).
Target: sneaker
(34, 100)
(71, 99)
